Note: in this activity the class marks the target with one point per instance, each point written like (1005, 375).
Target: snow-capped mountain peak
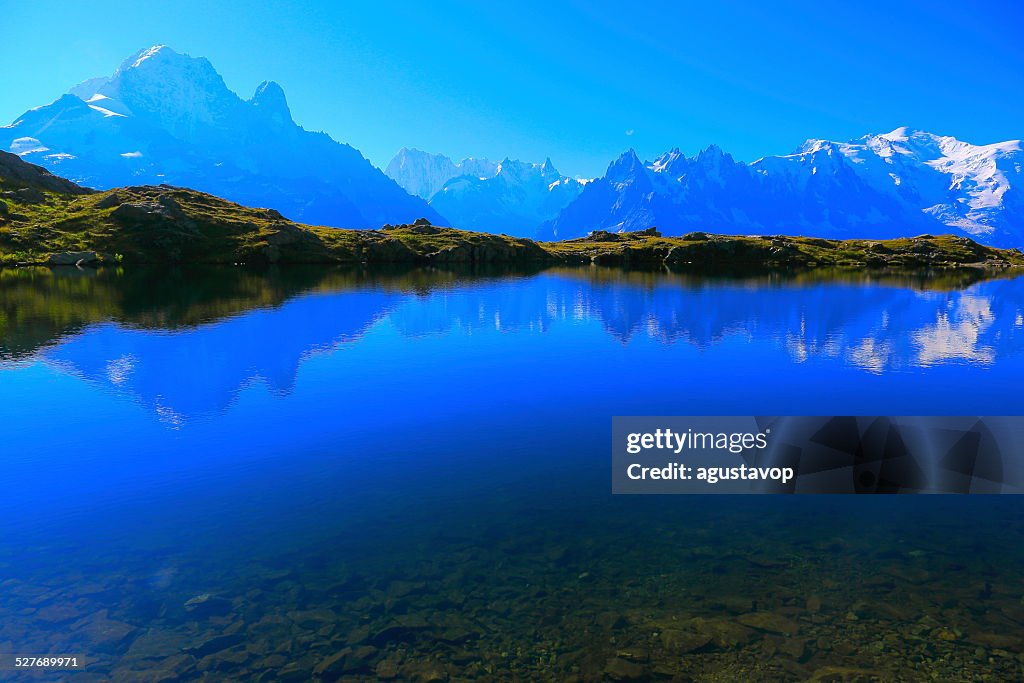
(179, 92)
(960, 184)
(167, 117)
(667, 161)
(142, 55)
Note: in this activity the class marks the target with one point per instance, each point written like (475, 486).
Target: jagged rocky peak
(548, 170)
(712, 153)
(670, 161)
(269, 98)
(513, 168)
(627, 165)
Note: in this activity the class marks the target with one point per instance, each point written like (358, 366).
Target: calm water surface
(313, 474)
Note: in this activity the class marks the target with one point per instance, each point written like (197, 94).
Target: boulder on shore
(73, 258)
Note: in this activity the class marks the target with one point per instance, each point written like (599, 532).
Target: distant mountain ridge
(901, 183)
(512, 197)
(424, 174)
(165, 117)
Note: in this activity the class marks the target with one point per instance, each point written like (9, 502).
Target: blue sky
(577, 81)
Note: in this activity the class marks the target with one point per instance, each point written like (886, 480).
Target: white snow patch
(146, 54)
(105, 112)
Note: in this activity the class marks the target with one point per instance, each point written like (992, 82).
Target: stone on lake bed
(156, 643)
(387, 669)
(420, 671)
(57, 613)
(207, 605)
(345, 661)
(102, 632)
(770, 622)
(313, 618)
(723, 632)
(292, 673)
(401, 629)
(619, 669)
(215, 643)
(400, 589)
(678, 641)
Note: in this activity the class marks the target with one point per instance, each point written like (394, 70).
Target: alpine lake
(320, 474)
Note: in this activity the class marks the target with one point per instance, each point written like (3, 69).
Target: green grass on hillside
(163, 224)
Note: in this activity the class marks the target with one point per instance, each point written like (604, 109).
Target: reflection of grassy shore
(40, 305)
(47, 220)
(923, 279)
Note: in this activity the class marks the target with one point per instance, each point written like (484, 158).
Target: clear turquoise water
(422, 454)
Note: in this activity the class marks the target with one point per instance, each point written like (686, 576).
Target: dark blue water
(406, 476)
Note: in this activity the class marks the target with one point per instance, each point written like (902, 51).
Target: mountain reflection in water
(185, 343)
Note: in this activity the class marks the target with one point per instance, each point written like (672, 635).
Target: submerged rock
(207, 605)
(388, 668)
(215, 643)
(722, 632)
(619, 669)
(679, 642)
(103, 633)
(770, 622)
(345, 662)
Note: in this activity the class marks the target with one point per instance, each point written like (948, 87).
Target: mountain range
(512, 197)
(896, 184)
(48, 220)
(165, 117)
(168, 118)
